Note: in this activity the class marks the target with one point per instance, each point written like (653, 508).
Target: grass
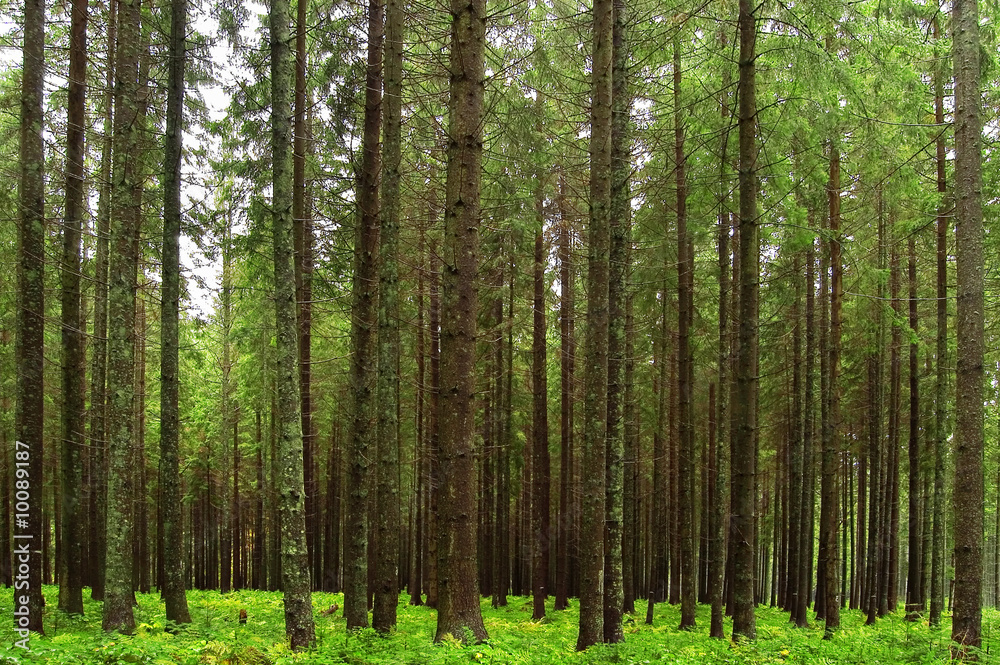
(216, 637)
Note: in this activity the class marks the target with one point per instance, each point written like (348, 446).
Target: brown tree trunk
(941, 384)
(745, 412)
(808, 503)
(566, 400)
(364, 323)
(387, 556)
(831, 435)
(458, 586)
(294, 561)
(915, 601)
(540, 420)
(895, 405)
(98, 377)
(686, 475)
(30, 340)
(968, 496)
(596, 380)
(73, 375)
(125, 216)
(171, 534)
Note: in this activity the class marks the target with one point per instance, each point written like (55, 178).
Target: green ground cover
(217, 638)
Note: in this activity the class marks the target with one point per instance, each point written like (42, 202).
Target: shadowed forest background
(605, 305)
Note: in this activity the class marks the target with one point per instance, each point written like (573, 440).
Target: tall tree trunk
(808, 503)
(364, 322)
(794, 509)
(302, 240)
(257, 575)
(387, 556)
(125, 215)
(169, 478)
(30, 344)
(295, 582)
(98, 376)
(235, 516)
(914, 579)
(872, 565)
(540, 413)
(73, 385)
(895, 406)
(941, 384)
(420, 478)
(566, 400)
(596, 388)
(745, 411)
(433, 466)
(140, 544)
(968, 494)
(458, 586)
(228, 411)
(631, 532)
(717, 545)
(687, 475)
(620, 238)
(831, 433)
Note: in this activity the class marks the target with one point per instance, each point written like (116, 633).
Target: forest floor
(217, 637)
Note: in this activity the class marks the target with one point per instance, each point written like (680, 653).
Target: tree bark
(566, 400)
(364, 323)
(125, 215)
(73, 384)
(745, 411)
(831, 434)
(619, 252)
(596, 377)
(169, 478)
(968, 495)
(941, 382)
(30, 341)
(387, 555)
(687, 474)
(540, 416)
(295, 582)
(915, 600)
(458, 586)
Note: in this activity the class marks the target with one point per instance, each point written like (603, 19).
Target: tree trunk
(73, 375)
(596, 387)
(540, 415)
(831, 433)
(458, 586)
(364, 322)
(968, 493)
(808, 503)
(566, 399)
(686, 470)
(914, 579)
(895, 406)
(745, 411)
(295, 581)
(941, 385)
(387, 556)
(631, 533)
(619, 252)
(30, 342)
(169, 478)
(125, 215)
(98, 376)
(794, 508)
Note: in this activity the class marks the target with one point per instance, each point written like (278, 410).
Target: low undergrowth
(217, 638)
